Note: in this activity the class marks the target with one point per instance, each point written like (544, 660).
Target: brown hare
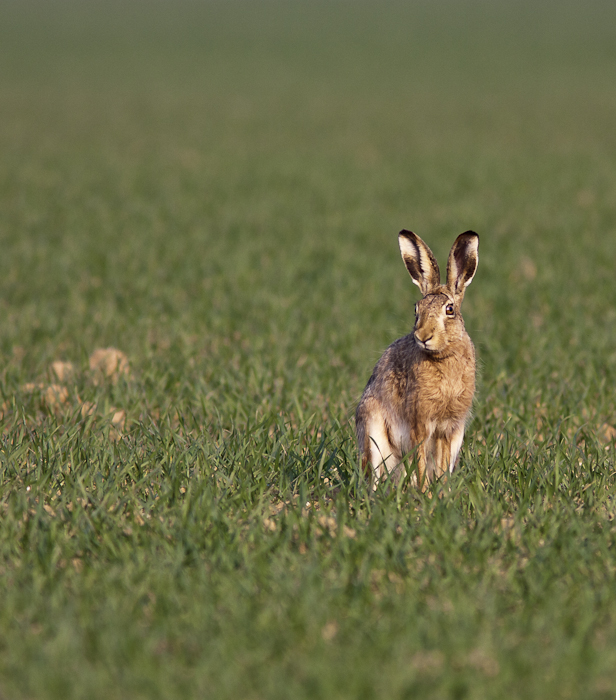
(420, 393)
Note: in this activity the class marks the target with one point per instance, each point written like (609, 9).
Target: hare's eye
(449, 309)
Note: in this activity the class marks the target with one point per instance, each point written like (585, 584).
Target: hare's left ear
(462, 262)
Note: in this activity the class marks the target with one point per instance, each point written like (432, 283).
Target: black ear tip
(409, 236)
(471, 233)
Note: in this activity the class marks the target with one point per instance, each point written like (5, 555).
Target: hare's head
(438, 319)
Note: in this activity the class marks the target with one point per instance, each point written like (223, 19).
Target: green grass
(215, 189)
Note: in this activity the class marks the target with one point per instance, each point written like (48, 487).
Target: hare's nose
(422, 340)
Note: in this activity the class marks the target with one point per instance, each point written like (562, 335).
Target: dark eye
(449, 310)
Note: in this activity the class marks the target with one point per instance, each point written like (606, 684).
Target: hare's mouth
(425, 345)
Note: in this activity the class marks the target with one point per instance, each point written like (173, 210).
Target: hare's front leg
(446, 451)
(422, 467)
(422, 439)
(456, 440)
(441, 456)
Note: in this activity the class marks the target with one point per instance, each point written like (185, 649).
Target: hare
(420, 393)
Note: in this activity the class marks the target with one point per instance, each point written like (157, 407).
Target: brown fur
(420, 393)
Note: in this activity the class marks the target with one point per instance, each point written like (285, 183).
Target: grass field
(215, 189)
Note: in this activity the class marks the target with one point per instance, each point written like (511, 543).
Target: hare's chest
(456, 393)
(451, 386)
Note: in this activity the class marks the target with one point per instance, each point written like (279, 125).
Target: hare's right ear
(419, 261)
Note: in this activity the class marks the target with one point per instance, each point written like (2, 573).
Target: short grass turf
(214, 189)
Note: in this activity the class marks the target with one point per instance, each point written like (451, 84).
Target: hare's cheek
(443, 333)
(443, 342)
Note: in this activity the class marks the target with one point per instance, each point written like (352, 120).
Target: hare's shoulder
(401, 355)
(396, 367)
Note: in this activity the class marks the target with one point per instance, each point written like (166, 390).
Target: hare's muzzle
(423, 340)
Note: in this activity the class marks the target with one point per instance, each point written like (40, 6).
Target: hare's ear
(419, 261)
(462, 262)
